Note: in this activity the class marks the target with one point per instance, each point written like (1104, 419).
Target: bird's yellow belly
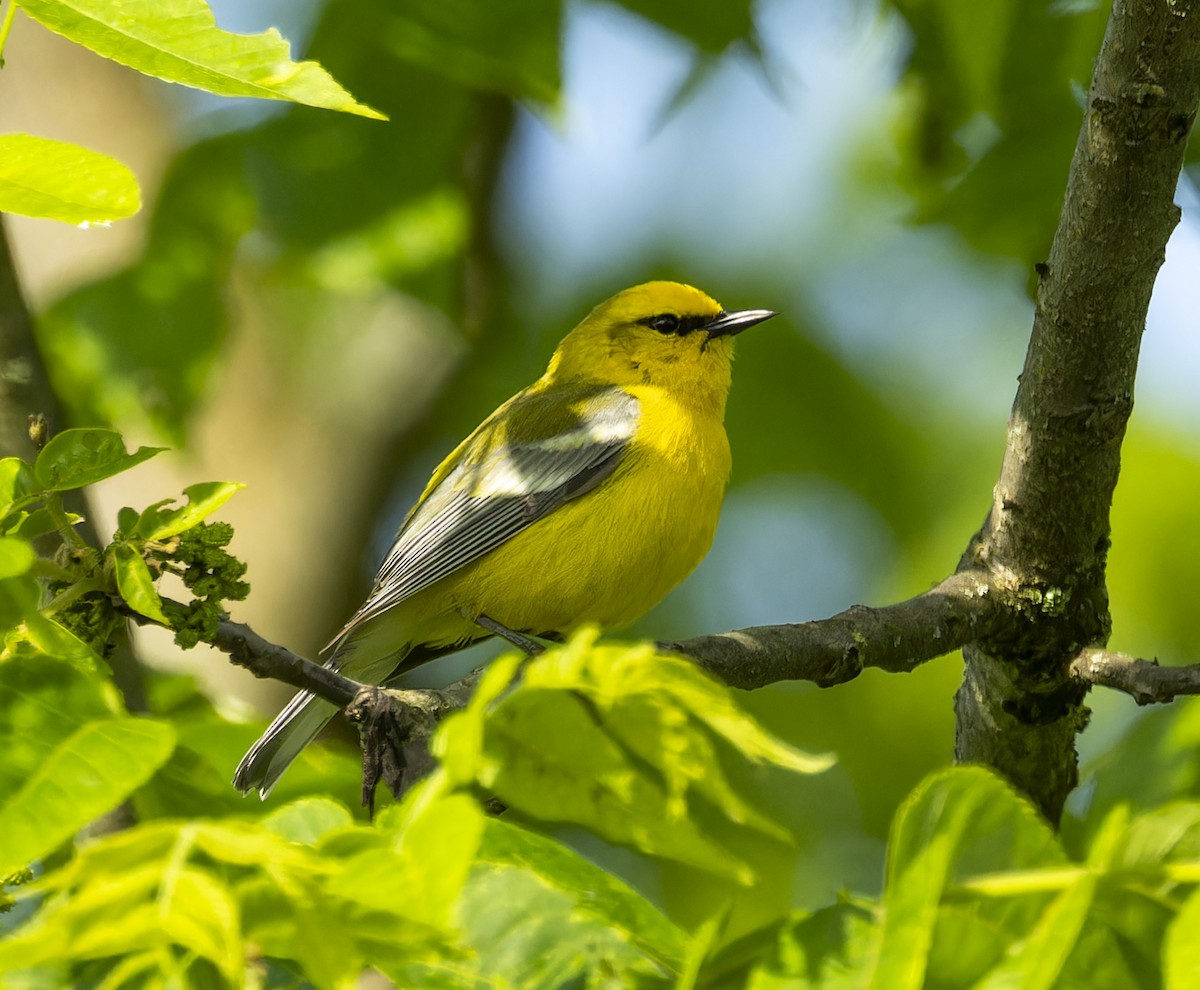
(612, 554)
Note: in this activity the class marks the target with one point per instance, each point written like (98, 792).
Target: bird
(584, 498)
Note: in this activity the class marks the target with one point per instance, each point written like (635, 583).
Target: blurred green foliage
(1001, 87)
(644, 845)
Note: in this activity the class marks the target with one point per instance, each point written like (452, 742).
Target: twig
(1143, 680)
(395, 725)
(266, 659)
(896, 638)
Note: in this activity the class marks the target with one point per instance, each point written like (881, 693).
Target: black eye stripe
(670, 323)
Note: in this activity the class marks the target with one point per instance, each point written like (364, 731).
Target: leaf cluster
(437, 892)
(211, 573)
(980, 893)
(72, 602)
(177, 41)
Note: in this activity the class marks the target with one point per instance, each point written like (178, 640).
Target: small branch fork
(965, 608)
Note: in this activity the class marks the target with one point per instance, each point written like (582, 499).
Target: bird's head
(659, 333)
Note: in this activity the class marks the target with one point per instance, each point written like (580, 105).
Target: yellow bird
(584, 498)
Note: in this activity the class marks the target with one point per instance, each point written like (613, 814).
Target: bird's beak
(727, 324)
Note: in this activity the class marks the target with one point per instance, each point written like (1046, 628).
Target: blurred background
(321, 305)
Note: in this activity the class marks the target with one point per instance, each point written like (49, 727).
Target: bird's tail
(369, 657)
(292, 730)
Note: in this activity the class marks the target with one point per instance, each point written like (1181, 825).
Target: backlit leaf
(179, 41)
(79, 457)
(61, 181)
(88, 774)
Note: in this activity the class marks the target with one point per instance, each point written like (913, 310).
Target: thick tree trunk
(1046, 539)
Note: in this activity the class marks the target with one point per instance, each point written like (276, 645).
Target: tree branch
(1046, 539)
(397, 724)
(1143, 680)
(266, 659)
(896, 638)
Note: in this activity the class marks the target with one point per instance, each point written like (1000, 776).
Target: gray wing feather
(479, 506)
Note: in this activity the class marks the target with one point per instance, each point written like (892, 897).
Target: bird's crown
(644, 303)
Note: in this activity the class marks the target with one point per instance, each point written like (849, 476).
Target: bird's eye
(666, 323)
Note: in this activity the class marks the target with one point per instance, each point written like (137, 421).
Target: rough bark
(896, 638)
(1046, 539)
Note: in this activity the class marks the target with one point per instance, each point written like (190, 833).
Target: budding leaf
(136, 583)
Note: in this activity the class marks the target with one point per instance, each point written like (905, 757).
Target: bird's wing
(532, 455)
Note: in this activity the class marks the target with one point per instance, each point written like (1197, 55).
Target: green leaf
(458, 746)
(55, 640)
(712, 704)
(308, 819)
(1104, 930)
(20, 598)
(543, 755)
(247, 844)
(666, 711)
(161, 901)
(138, 890)
(88, 774)
(30, 525)
(17, 484)
(511, 48)
(594, 892)
(127, 519)
(712, 25)
(966, 943)
(830, 949)
(1182, 948)
(527, 933)
(958, 822)
(136, 583)
(179, 41)
(42, 702)
(60, 181)
(158, 523)
(193, 910)
(438, 837)
(1162, 835)
(16, 557)
(622, 741)
(580, 774)
(1036, 962)
(79, 457)
(997, 114)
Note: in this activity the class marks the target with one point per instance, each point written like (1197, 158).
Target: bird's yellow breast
(612, 554)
